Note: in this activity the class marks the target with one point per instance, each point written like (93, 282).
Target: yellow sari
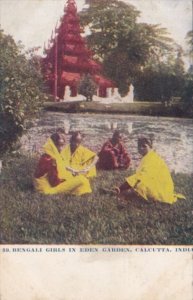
(76, 185)
(153, 180)
(80, 159)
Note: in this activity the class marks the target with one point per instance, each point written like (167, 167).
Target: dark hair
(116, 133)
(55, 138)
(74, 135)
(56, 135)
(60, 130)
(145, 141)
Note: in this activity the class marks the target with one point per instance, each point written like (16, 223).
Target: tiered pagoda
(68, 58)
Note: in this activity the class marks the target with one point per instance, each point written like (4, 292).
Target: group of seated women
(68, 168)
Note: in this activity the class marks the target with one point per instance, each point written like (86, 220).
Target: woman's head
(117, 137)
(58, 138)
(144, 145)
(75, 139)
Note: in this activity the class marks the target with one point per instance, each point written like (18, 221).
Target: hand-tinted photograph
(96, 122)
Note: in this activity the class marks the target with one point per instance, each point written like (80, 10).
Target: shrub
(187, 94)
(87, 87)
(20, 89)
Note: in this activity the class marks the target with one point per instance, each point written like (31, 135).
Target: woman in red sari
(113, 154)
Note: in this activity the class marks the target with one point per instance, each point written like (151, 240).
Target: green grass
(28, 217)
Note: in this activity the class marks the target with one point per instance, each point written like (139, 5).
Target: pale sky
(32, 21)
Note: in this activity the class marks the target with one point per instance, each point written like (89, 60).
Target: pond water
(173, 137)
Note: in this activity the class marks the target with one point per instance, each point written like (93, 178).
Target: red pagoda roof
(71, 37)
(102, 81)
(70, 18)
(68, 59)
(95, 65)
(74, 49)
(81, 62)
(71, 27)
(71, 7)
(70, 78)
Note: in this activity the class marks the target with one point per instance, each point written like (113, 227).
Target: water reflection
(173, 138)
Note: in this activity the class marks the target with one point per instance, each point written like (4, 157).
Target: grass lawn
(30, 218)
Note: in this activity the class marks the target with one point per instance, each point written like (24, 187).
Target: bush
(20, 89)
(187, 95)
(87, 87)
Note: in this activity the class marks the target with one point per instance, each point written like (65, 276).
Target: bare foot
(108, 191)
(116, 190)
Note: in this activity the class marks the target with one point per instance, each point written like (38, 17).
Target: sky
(32, 21)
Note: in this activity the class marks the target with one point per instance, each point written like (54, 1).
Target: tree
(189, 39)
(108, 21)
(87, 87)
(20, 89)
(187, 94)
(123, 45)
(162, 80)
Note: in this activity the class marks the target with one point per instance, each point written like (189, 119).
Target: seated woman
(113, 154)
(152, 180)
(51, 176)
(79, 159)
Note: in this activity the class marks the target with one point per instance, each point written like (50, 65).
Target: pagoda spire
(70, 6)
(68, 57)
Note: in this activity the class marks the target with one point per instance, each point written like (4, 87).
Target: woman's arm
(89, 167)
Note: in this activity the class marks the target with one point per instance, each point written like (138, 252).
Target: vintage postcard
(96, 149)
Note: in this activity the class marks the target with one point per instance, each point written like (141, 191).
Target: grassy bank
(138, 108)
(27, 217)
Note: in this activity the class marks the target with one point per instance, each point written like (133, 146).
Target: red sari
(113, 157)
(47, 165)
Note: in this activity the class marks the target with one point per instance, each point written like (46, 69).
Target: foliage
(163, 80)
(87, 87)
(20, 83)
(108, 22)
(189, 39)
(124, 45)
(187, 94)
(30, 218)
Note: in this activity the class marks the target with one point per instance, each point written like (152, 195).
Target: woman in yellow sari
(79, 159)
(51, 175)
(152, 180)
